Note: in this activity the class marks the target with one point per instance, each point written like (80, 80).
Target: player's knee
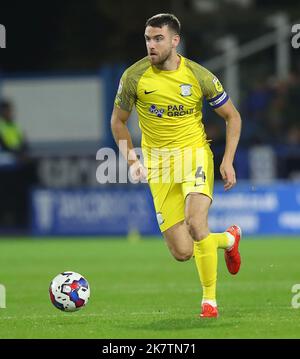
(183, 256)
(196, 229)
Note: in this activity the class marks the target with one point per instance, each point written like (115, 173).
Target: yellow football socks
(206, 257)
(222, 240)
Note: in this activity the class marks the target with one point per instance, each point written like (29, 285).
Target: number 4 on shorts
(200, 174)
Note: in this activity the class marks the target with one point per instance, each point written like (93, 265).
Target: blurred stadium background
(58, 76)
(60, 72)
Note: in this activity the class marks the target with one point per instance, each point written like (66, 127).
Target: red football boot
(208, 311)
(232, 255)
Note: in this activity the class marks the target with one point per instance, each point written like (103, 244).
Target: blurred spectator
(255, 112)
(275, 119)
(283, 114)
(17, 172)
(293, 135)
(11, 137)
(292, 111)
(271, 112)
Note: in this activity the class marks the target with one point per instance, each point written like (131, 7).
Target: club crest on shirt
(186, 90)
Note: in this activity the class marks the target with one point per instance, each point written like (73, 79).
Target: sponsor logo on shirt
(172, 111)
(178, 110)
(158, 112)
(147, 92)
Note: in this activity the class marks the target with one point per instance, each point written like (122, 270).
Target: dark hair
(161, 20)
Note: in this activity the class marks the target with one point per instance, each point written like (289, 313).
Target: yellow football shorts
(190, 170)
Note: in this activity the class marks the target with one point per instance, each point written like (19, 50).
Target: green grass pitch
(139, 291)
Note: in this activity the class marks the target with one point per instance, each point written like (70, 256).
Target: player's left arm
(233, 130)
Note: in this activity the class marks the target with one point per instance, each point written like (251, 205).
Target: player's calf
(197, 229)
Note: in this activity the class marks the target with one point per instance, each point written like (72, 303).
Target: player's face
(160, 43)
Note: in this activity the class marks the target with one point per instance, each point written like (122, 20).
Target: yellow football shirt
(169, 103)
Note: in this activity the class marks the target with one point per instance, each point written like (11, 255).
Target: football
(69, 291)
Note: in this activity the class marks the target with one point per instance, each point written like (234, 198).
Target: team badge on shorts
(186, 90)
(159, 218)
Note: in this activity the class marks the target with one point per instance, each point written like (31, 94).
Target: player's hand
(138, 172)
(228, 175)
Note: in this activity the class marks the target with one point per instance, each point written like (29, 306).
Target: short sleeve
(126, 94)
(213, 90)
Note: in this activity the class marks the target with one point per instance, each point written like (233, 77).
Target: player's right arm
(123, 139)
(124, 101)
(120, 132)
